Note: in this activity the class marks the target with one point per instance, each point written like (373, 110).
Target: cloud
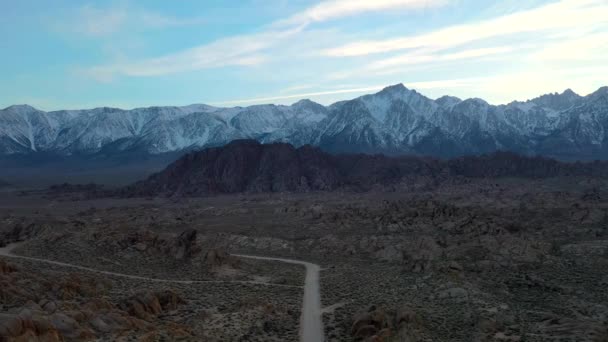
(235, 51)
(417, 58)
(100, 22)
(438, 84)
(334, 9)
(300, 96)
(562, 15)
(106, 21)
(504, 88)
(425, 58)
(242, 50)
(582, 47)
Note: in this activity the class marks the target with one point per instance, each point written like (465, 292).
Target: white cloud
(100, 22)
(333, 9)
(298, 87)
(424, 58)
(301, 96)
(576, 48)
(562, 15)
(242, 50)
(438, 84)
(504, 88)
(106, 21)
(417, 58)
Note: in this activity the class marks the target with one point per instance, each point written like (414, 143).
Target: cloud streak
(335, 9)
(243, 50)
(562, 15)
(438, 84)
(102, 22)
(235, 51)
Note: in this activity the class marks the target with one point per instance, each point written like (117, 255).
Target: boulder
(365, 331)
(185, 245)
(65, 324)
(216, 257)
(147, 305)
(366, 324)
(6, 268)
(405, 315)
(27, 327)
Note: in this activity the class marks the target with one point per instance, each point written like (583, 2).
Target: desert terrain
(478, 260)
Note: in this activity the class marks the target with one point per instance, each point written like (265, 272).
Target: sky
(69, 54)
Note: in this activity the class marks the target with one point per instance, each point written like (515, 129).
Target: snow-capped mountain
(395, 120)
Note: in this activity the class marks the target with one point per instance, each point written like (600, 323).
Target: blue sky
(126, 53)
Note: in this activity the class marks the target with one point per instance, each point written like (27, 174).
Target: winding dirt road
(7, 252)
(311, 325)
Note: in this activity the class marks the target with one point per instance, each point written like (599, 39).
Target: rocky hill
(249, 166)
(394, 121)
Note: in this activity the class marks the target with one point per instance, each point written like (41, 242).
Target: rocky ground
(476, 260)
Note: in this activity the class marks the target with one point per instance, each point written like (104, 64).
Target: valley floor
(501, 260)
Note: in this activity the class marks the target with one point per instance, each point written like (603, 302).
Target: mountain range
(394, 121)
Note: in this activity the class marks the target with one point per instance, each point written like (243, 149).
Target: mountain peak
(394, 88)
(600, 94)
(395, 120)
(20, 108)
(447, 101)
(557, 101)
(602, 90)
(305, 102)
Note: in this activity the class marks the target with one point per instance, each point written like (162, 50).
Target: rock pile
(40, 307)
(182, 247)
(147, 305)
(377, 324)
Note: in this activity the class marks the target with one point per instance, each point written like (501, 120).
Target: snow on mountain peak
(393, 120)
(20, 109)
(447, 101)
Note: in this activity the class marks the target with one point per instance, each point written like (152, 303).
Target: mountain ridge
(393, 121)
(249, 166)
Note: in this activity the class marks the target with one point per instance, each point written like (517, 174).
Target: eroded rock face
(27, 327)
(6, 268)
(185, 245)
(182, 247)
(19, 232)
(367, 324)
(41, 307)
(216, 258)
(146, 305)
(378, 324)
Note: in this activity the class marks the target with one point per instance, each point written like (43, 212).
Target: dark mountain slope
(248, 166)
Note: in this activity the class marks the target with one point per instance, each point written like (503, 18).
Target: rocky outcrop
(19, 232)
(378, 324)
(182, 247)
(6, 268)
(27, 327)
(185, 245)
(147, 305)
(217, 258)
(40, 307)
